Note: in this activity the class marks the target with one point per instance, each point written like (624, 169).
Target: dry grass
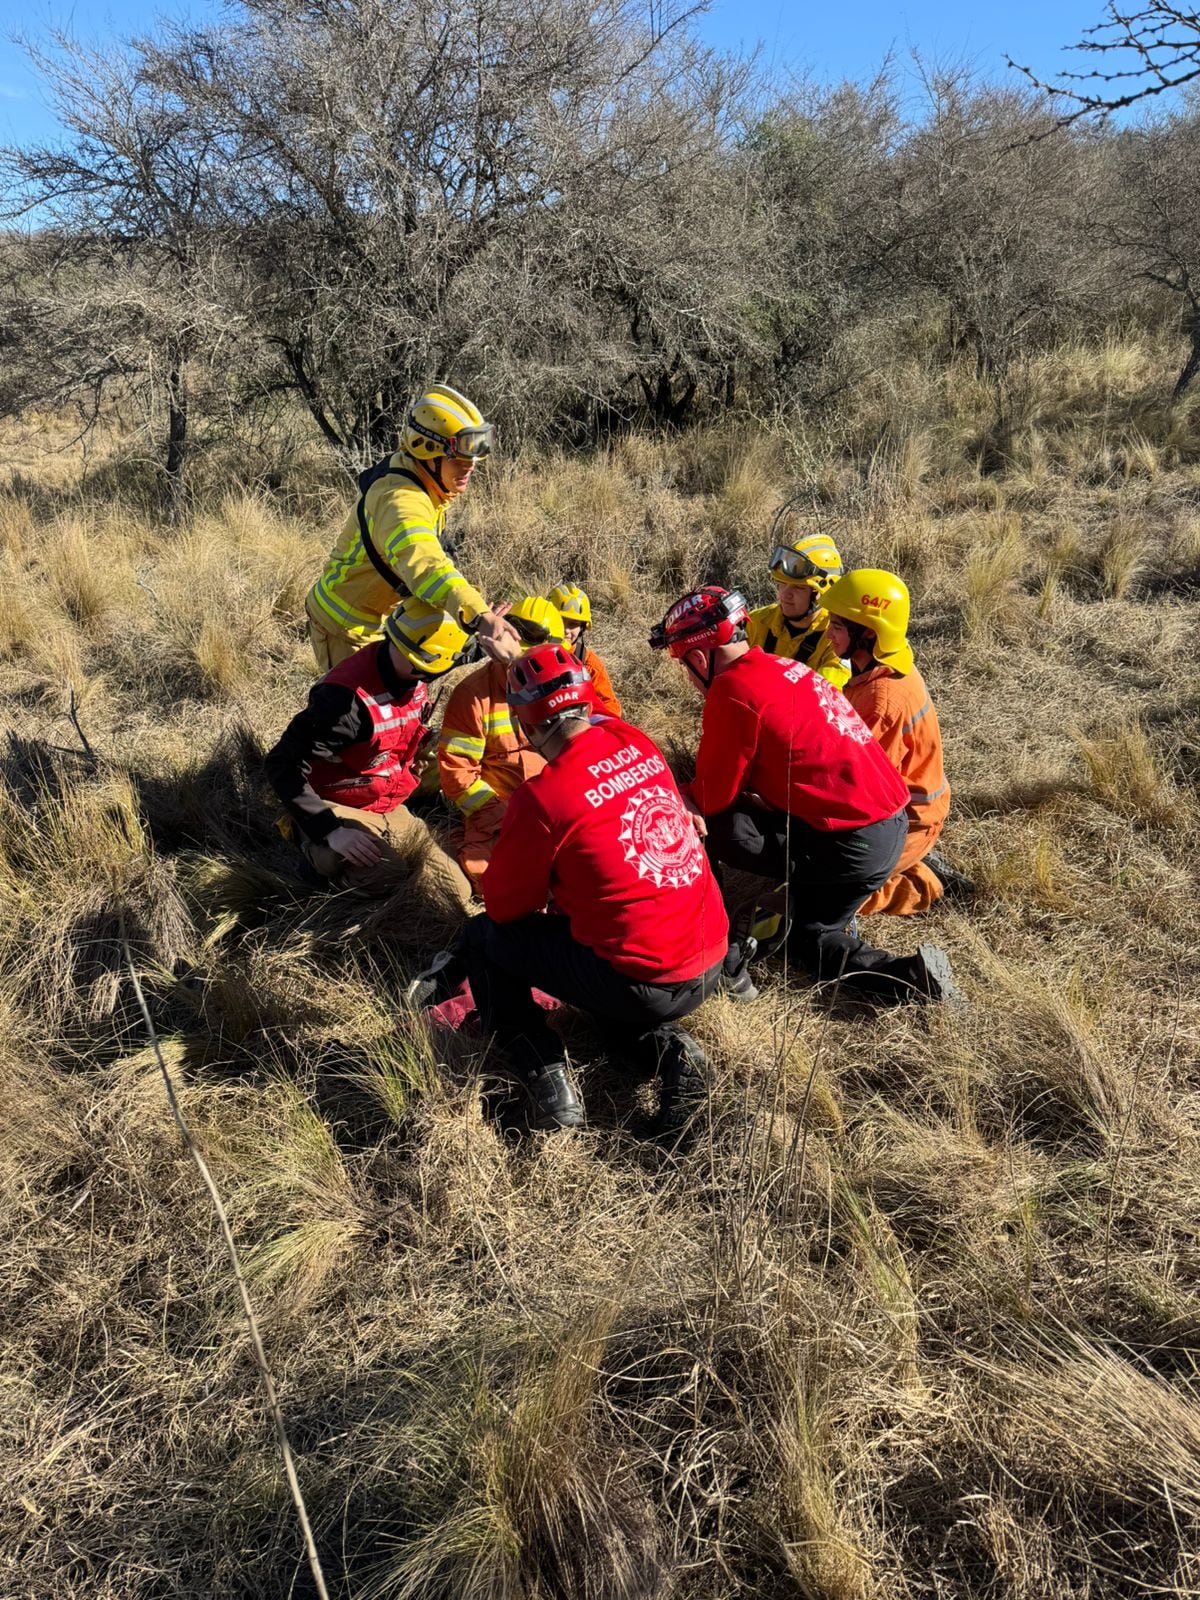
(993, 567)
(1127, 775)
(1119, 554)
(914, 1317)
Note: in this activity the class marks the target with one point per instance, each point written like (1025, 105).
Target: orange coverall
(900, 714)
(606, 699)
(483, 758)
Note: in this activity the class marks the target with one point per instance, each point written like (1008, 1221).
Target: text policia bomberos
(626, 773)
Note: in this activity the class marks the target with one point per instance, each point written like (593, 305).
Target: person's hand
(497, 638)
(697, 817)
(354, 845)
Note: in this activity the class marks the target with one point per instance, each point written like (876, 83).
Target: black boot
(933, 976)
(552, 1103)
(955, 885)
(736, 981)
(446, 972)
(683, 1067)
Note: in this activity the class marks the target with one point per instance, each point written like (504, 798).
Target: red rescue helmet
(545, 682)
(703, 620)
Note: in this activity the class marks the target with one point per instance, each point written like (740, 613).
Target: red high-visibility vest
(375, 774)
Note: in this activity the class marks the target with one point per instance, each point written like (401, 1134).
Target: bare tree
(996, 199)
(1138, 55)
(824, 167)
(1152, 217)
(411, 179)
(114, 287)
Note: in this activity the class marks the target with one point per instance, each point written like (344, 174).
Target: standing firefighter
(483, 756)
(795, 626)
(345, 765)
(575, 609)
(638, 932)
(792, 787)
(393, 544)
(869, 625)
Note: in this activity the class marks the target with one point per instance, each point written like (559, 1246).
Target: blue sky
(827, 41)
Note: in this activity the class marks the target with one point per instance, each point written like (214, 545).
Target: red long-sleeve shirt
(774, 728)
(603, 829)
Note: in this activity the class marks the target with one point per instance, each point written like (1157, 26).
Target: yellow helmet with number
(537, 621)
(572, 603)
(813, 560)
(432, 641)
(445, 423)
(877, 600)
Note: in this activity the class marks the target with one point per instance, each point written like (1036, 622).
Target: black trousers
(829, 875)
(506, 960)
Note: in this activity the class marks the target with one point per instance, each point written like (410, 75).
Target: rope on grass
(256, 1344)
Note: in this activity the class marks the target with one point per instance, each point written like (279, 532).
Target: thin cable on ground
(260, 1355)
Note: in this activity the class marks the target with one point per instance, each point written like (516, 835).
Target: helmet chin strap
(704, 681)
(861, 638)
(794, 622)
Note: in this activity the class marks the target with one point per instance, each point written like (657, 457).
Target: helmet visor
(530, 633)
(471, 444)
(789, 566)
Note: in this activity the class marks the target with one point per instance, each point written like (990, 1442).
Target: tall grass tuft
(1061, 559)
(993, 567)
(1127, 776)
(88, 571)
(1119, 555)
(523, 1496)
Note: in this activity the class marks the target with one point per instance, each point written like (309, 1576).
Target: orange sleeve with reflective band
(605, 697)
(461, 746)
(901, 715)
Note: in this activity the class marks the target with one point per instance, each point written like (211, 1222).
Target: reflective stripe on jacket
(376, 773)
(768, 628)
(900, 714)
(406, 521)
(482, 753)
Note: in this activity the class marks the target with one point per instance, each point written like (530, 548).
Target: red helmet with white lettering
(703, 620)
(546, 682)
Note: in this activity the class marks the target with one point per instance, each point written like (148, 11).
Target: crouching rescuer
(793, 788)
(345, 765)
(637, 934)
(575, 609)
(483, 757)
(868, 625)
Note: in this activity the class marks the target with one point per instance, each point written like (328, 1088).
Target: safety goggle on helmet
(432, 642)
(703, 620)
(468, 444)
(536, 621)
(443, 422)
(814, 561)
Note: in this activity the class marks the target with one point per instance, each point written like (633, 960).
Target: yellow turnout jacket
(770, 631)
(404, 515)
